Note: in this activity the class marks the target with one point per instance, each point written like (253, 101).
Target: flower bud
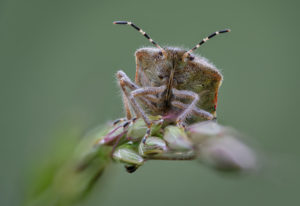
(227, 153)
(220, 147)
(137, 129)
(153, 145)
(111, 135)
(177, 139)
(127, 155)
(201, 131)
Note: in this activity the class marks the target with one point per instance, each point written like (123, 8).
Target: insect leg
(126, 106)
(124, 82)
(132, 86)
(184, 94)
(148, 90)
(137, 109)
(149, 93)
(117, 121)
(124, 98)
(138, 93)
(196, 111)
(143, 92)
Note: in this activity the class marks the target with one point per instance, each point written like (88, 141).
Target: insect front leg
(196, 111)
(149, 93)
(132, 86)
(125, 83)
(145, 92)
(125, 104)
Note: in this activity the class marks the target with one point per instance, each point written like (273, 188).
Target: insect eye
(191, 58)
(159, 56)
(160, 77)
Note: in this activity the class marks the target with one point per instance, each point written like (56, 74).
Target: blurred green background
(58, 60)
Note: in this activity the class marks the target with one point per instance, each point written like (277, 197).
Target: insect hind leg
(196, 111)
(188, 109)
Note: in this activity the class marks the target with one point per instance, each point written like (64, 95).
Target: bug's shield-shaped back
(204, 79)
(195, 74)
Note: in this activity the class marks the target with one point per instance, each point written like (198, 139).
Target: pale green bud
(137, 129)
(227, 153)
(110, 135)
(153, 145)
(199, 132)
(177, 139)
(127, 155)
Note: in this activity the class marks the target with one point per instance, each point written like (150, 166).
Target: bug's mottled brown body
(195, 74)
(171, 82)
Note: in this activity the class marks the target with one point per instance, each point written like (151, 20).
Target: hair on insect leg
(118, 138)
(148, 90)
(148, 93)
(135, 106)
(132, 86)
(148, 132)
(129, 122)
(152, 98)
(126, 105)
(125, 126)
(196, 111)
(117, 121)
(122, 75)
(184, 94)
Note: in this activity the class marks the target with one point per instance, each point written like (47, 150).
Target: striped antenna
(142, 32)
(203, 41)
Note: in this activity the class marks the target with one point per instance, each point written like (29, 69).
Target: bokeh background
(58, 60)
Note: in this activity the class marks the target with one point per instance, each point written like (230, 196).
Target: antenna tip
(120, 22)
(224, 31)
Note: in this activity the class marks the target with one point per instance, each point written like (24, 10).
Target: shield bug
(171, 82)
